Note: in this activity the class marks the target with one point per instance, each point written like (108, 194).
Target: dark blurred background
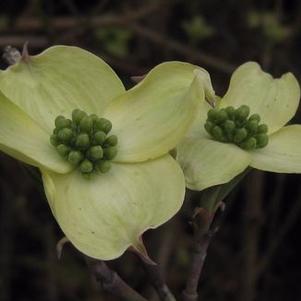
(256, 254)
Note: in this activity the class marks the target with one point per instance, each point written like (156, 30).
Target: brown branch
(26, 24)
(156, 278)
(18, 40)
(111, 282)
(207, 226)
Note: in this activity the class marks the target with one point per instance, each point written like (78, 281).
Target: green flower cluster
(232, 125)
(84, 141)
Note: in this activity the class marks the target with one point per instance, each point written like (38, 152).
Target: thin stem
(194, 54)
(111, 281)
(156, 278)
(208, 225)
(207, 219)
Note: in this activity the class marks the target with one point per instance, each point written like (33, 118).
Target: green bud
(249, 144)
(103, 124)
(82, 141)
(86, 124)
(252, 126)
(94, 117)
(212, 114)
(78, 115)
(262, 129)
(240, 135)
(99, 137)
(111, 140)
(63, 150)
(231, 112)
(62, 122)
(59, 121)
(95, 152)
(86, 166)
(208, 126)
(218, 134)
(65, 135)
(75, 157)
(229, 126)
(221, 116)
(262, 140)
(54, 140)
(240, 123)
(233, 125)
(103, 166)
(254, 117)
(242, 112)
(107, 126)
(110, 152)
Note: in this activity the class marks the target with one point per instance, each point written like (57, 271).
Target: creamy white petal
(154, 116)
(104, 215)
(275, 100)
(282, 154)
(207, 163)
(23, 139)
(59, 80)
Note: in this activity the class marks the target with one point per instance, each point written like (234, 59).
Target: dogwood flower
(247, 127)
(102, 151)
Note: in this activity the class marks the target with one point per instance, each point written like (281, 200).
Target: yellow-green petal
(104, 215)
(282, 154)
(206, 162)
(23, 139)
(197, 129)
(58, 80)
(151, 118)
(276, 100)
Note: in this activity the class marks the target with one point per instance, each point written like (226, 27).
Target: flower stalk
(111, 282)
(156, 278)
(206, 221)
(207, 225)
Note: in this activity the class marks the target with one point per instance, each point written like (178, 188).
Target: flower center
(85, 142)
(231, 125)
